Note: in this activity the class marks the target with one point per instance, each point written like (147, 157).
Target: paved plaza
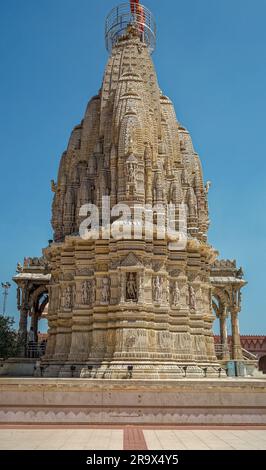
(130, 438)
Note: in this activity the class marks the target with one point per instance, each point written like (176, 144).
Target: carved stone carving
(157, 266)
(131, 174)
(67, 297)
(85, 272)
(175, 272)
(88, 292)
(158, 289)
(19, 268)
(114, 264)
(166, 291)
(130, 341)
(121, 287)
(175, 294)
(192, 298)
(141, 288)
(131, 260)
(131, 287)
(105, 291)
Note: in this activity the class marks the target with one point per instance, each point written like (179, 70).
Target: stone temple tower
(130, 306)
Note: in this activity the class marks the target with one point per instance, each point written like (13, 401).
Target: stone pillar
(223, 334)
(236, 343)
(23, 307)
(23, 331)
(34, 324)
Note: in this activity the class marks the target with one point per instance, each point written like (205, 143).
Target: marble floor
(130, 438)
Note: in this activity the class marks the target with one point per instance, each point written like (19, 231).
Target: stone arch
(38, 301)
(221, 295)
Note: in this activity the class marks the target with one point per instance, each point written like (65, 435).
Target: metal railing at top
(124, 15)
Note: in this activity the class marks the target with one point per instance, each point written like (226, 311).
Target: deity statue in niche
(131, 287)
(192, 298)
(105, 290)
(158, 289)
(68, 297)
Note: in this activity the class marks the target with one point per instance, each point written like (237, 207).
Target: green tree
(8, 337)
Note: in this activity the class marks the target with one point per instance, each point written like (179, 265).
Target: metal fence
(33, 350)
(124, 15)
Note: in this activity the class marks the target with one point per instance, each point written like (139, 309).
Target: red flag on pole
(141, 17)
(133, 5)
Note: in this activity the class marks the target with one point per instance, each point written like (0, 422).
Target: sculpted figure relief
(131, 287)
(68, 297)
(175, 294)
(158, 289)
(166, 291)
(105, 295)
(131, 173)
(19, 268)
(141, 287)
(192, 203)
(207, 186)
(148, 153)
(130, 341)
(199, 298)
(84, 296)
(87, 292)
(184, 177)
(192, 298)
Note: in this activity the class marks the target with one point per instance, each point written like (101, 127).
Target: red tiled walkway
(134, 439)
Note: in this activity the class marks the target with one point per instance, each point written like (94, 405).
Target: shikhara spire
(129, 132)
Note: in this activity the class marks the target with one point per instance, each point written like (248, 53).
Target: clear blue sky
(211, 61)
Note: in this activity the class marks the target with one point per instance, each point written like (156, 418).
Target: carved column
(23, 330)
(34, 324)
(223, 334)
(236, 343)
(23, 308)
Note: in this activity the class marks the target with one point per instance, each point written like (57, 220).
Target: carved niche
(175, 295)
(158, 289)
(67, 298)
(105, 290)
(131, 287)
(192, 298)
(88, 292)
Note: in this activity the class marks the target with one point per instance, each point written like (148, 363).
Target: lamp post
(5, 287)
